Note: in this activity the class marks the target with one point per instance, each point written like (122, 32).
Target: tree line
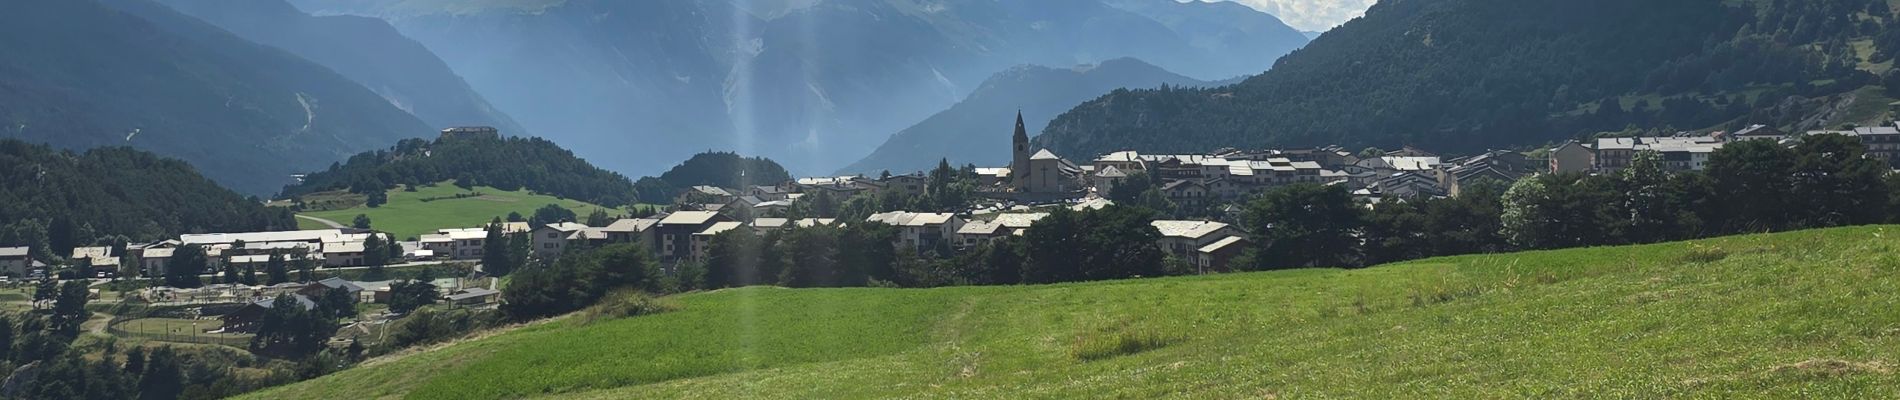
(512, 163)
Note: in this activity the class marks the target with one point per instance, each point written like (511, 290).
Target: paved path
(332, 224)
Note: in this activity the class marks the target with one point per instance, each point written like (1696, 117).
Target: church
(1041, 172)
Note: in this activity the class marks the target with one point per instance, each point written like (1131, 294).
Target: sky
(1311, 15)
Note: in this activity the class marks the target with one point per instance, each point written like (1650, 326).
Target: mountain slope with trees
(1464, 75)
(977, 130)
(508, 164)
(367, 50)
(76, 199)
(88, 73)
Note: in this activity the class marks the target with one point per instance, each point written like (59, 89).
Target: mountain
(811, 83)
(80, 197)
(86, 73)
(366, 50)
(508, 164)
(717, 169)
(977, 130)
(1466, 75)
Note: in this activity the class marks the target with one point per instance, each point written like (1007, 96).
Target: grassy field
(1795, 315)
(406, 215)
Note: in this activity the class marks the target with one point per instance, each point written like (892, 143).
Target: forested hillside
(718, 169)
(1463, 75)
(503, 163)
(71, 199)
(367, 50)
(87, 73)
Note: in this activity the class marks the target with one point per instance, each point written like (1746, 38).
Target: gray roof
(688, 218)
(339, 283)
(301, 300)
(472, 293)
(14, 251)
(1187, 229)
(631, 225)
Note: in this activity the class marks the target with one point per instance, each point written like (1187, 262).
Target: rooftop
(14, 251)
(1187, 229)
(688, 218)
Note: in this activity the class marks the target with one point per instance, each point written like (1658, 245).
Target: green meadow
(1810, 314)
(407, 215)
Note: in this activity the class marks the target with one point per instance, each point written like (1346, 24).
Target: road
(332, 224)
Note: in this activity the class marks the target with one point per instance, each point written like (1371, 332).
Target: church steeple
(1019, 162)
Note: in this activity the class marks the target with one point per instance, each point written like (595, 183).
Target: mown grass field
(406, 215)
(1809, 314)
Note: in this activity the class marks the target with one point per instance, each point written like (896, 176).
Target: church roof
(1044, 154)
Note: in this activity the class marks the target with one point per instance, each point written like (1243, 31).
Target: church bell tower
(1019, 163)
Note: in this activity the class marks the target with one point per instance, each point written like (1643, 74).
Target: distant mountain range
(977, 130)
(90, 73)
(1467, 75)
(811, 83)
(366, 50)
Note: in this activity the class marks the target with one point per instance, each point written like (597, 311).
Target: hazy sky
(1311, 15)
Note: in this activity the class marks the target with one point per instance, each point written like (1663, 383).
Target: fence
(233, 341)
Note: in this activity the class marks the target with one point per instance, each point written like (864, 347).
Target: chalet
(767, 193)
(15, 261)
(155, 261)
(467, 244)
(921, 231)
(704, 195)
(1572, 157)
(1184, 239)
(549, 240)
(675, 233)
(1186, 192)
(1003, 225)
(1218, 256)
(1106, 177)
(344, 254)
(907, 185)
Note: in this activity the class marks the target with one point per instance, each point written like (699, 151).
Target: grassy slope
(406, 215)
(1766, 318)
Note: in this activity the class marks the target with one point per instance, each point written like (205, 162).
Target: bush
(624, 304)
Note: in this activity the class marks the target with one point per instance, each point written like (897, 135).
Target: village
(1009, 201)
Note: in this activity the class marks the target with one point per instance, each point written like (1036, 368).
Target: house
(628, 230)
(1185, 192)
(467, 244)
(702, 240)
(763, 225)
(1881, 142)
(921, 231)
(245, 318)
(1106, 177)
(258, 261)
(343, 254)
(991, 177)
(1572, 156)
(768, 193)
(472, 297)
(438, 244)
(703, 194)
(675, 233)
(83, 253)
(549, 240)
(740, 207)
(15, 261)
(1183, 239)
(1003, 225)
(907, 185)
(316, 290)
(1685, 153)
(1219, 256)
(154, 261)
